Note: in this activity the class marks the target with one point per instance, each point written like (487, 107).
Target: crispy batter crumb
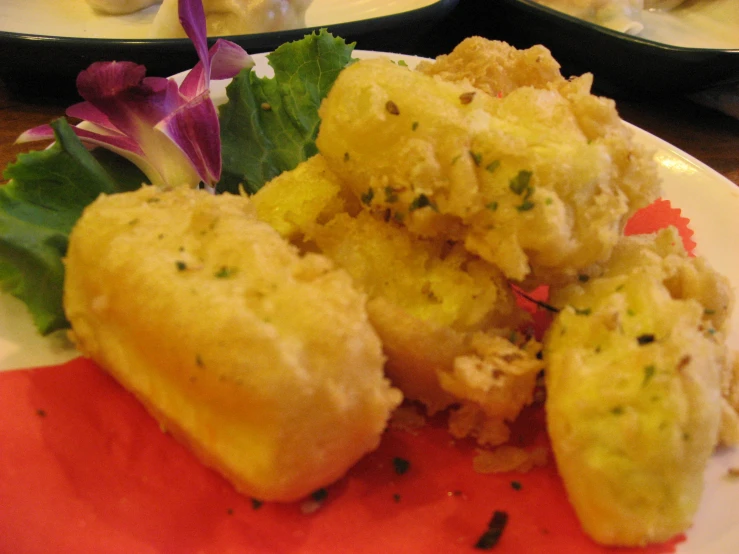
(407, 417)
(509, 458)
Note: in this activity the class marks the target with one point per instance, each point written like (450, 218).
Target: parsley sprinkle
(644, 339)
(225, 272)
(414, 126)
(648, 374)
(391, 195)
(492, 534)
(181, 266)
(476, 157)
(525, 206)
(520, 183)
(319, 495)
(421, 201)
(492, 206)
(368, 196)
(516, 485)
(401, 465)
(492, 166)
(256, 504)
(584, 311)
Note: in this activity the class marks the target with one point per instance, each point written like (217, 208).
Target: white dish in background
(709, 200)
(692, 48)
(695, 24)
(75, 18)
(692, 24)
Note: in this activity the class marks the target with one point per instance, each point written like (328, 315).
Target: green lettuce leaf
(42, 200)
(269, 125)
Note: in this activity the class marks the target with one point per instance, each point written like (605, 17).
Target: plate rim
(370, 24)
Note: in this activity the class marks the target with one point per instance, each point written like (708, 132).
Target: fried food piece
(434, 308)
(495, 66)
(539, 182)
(294, 201)
(443, 314)
(635, 360)
(262, 361)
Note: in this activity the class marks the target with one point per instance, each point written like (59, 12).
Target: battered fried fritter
(539, 182)
(495, 67)
(635, 360)
(261, 360)
(443, 314)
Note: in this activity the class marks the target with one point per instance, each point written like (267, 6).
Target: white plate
(74, 18)
(708, 199)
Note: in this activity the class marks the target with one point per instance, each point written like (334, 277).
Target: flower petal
(194, 128)
(192, 19)
(227, 59)
(42, 132)
(224, 60)
(109, 79)
(87, 112)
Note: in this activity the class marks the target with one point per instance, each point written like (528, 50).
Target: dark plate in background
(623, 65)
(44, 66)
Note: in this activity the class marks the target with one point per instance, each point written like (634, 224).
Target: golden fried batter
(261, 360)
(495, 67)
(539, 182)
(443, 314)
(635, 360)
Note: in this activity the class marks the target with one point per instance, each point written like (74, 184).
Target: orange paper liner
(659, 215)
(84, 468)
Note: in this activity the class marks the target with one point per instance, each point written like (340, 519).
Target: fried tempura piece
(539, 182)
(294, 201)
(635, 360)
(441, 312)
(495, 67)
(262, 361)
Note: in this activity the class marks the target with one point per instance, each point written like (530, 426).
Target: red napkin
(83, 468)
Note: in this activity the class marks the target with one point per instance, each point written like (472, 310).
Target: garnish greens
(48, 189)
(45, 195)
(259, 143)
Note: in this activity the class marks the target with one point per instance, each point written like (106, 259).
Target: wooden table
(708, 135)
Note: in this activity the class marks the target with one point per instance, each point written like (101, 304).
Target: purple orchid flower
(170, 131)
